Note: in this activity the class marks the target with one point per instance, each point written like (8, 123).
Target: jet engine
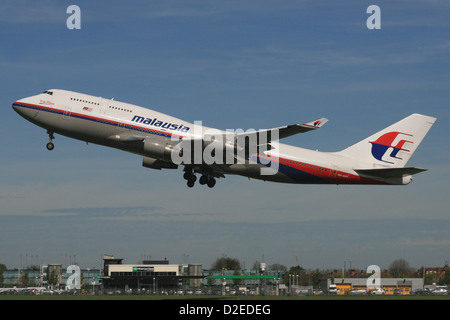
(158, 150)
(153, 163)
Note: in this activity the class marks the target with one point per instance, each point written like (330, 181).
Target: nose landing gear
(50, 145)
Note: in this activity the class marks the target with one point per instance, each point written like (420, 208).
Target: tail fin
(392, 146)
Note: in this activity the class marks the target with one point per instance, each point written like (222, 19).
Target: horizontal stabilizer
(390, 172)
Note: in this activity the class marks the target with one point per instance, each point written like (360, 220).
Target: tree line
(399, 268)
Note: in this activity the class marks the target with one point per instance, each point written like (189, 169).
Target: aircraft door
(102, 105)
(67, 111)
(332, 172)
(110, 116)
(120, 126)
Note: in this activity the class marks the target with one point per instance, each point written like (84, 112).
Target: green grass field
(220, 298)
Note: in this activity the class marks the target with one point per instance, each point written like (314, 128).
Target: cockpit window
(48, 92)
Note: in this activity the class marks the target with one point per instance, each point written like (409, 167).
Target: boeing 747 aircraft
(166, 142)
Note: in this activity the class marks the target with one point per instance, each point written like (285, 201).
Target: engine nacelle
(153, 163)
(158, 150)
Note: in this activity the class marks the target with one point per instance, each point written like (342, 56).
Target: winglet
(315, 124)
(301, 128)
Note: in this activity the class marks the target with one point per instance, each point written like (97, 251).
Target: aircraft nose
(19, 106)
(16, 106)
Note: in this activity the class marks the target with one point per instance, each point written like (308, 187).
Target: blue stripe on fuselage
(295, 174)
(298, 175)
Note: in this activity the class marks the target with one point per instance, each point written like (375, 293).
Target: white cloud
(22, 11)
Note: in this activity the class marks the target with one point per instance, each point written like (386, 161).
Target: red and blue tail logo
(381, 146)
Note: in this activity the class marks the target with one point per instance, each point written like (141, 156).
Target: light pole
(154, 281)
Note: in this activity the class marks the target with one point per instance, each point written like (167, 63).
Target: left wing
(162, 150)
(287, 131)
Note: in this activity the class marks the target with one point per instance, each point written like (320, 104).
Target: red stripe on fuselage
(330, 175)
(97, 119)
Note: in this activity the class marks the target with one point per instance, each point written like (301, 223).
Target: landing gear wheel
(211, 182)
(190, 183)
(203, 180)
(50, 146)
(191, 178)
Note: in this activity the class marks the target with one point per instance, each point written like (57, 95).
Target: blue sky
(230, 64)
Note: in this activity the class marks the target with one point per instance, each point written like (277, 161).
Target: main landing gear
(50, 145)
(204, 179)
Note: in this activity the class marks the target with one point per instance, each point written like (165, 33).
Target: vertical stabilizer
(392, 146)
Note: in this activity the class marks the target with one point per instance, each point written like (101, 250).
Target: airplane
(166, 142)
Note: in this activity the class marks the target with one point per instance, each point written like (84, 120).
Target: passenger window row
(120, 109)
(94, 103)
(85, 101)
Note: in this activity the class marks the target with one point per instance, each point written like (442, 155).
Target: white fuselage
(124, 126)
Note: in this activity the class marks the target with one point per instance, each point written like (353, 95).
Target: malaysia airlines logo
(381, 146)
(158, 123)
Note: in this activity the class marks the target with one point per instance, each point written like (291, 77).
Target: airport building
(49, 276)
(152, 275)
(159, 276)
